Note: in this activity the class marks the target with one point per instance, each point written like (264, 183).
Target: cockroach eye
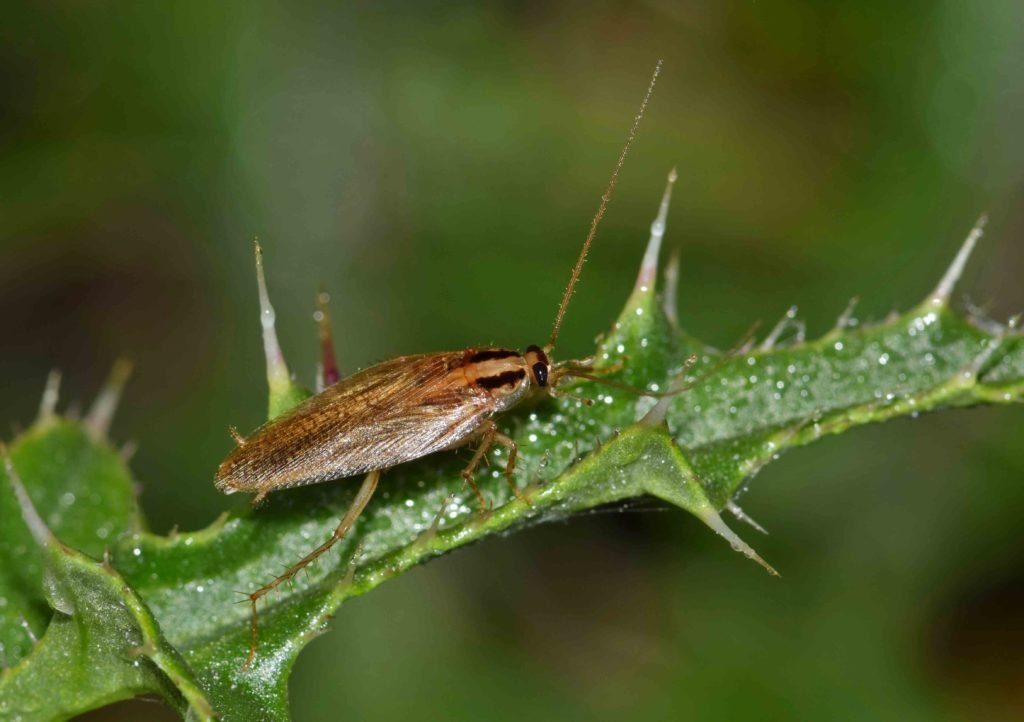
(540, 372)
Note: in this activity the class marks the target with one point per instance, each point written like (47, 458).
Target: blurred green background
(436, 166)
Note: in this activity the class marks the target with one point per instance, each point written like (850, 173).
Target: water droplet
(780, 384)
(137, 552)
(838, 346)
(639, 312)
(753, 378)
(883, 359)
(751, 361)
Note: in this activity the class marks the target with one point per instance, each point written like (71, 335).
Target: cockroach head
(540, 366)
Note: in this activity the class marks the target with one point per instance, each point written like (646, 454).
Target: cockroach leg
(488, 438)
(359, 503)
(237, 437)
(510, 466)
(486, 441)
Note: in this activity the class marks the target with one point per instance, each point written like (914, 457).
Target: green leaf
(697, 450)
(102, 645)
(85, 492)
(572, 457)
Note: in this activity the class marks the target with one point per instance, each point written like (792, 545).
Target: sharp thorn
(737, 512)
(97, 421)
(51, 393)
(277, 369)
(647, 278)
(656, 416)
(846, 317)
(713, 520)
(940, 296)
(328, 373)
(974, 368)
(773, 336)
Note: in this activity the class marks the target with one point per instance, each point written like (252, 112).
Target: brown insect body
(387, 414)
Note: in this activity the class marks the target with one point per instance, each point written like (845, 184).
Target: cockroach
(404, 409)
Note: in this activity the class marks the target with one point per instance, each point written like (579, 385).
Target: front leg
(488, 437)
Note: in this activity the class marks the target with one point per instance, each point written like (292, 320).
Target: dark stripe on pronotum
(508, 378)
(491, 354)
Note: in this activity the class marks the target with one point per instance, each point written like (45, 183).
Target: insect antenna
(600, 212)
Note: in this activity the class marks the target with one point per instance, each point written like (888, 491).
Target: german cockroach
(401, 410)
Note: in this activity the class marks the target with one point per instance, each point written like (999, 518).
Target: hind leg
(354, 510)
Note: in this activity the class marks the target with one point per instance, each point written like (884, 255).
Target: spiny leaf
(85, 492)
(102, 644)
(697, 451)
(572, 457)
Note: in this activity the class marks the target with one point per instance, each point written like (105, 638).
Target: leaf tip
(940, 296)
(101, 414)
(283, 392)
(277, 369)
(788, 321)
(51, 394)
(647, 277)
(712, 518)
(328, 373)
